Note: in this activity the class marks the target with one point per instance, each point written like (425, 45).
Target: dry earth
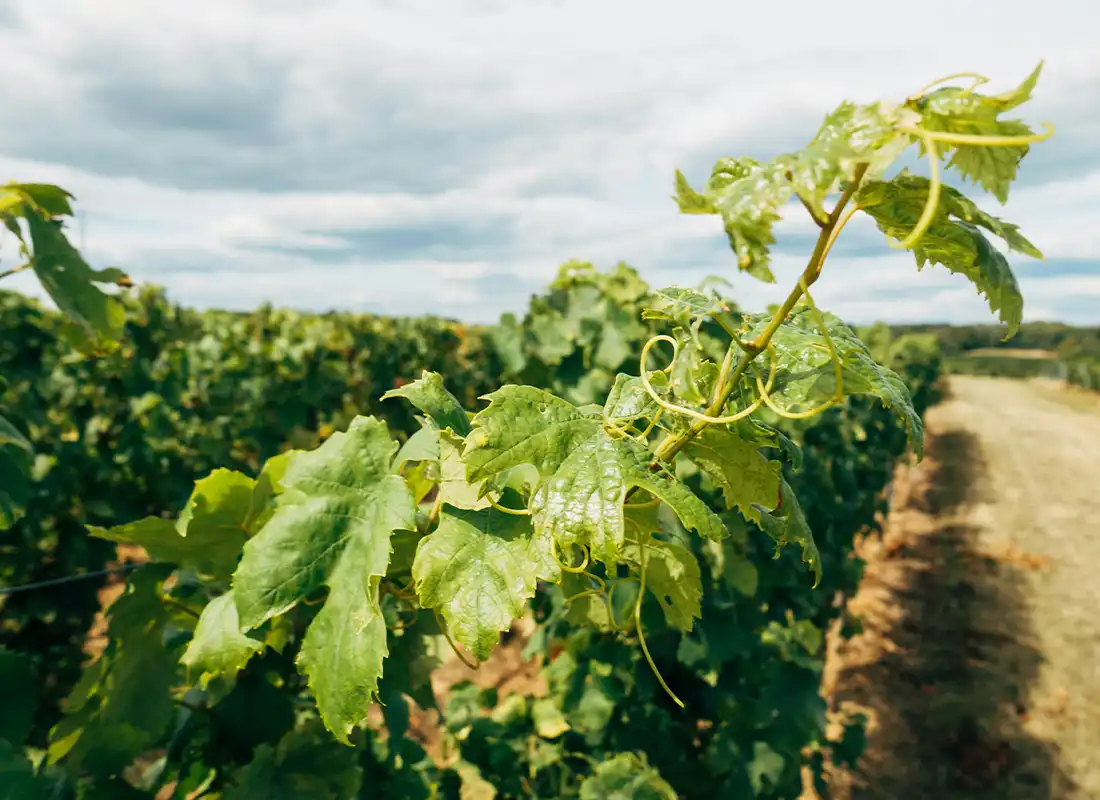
(980, 656)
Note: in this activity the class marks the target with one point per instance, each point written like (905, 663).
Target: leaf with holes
(478, 568)
(586, 471)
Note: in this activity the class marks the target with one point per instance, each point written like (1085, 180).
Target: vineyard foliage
(669, 485)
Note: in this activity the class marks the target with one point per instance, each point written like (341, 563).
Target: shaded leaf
(218, 648)
(627, 775)
(747, 479)
(209, 534)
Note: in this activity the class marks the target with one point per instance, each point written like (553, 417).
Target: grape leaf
(71, 283)
(268, 487)
(209, 534)
(953, 239)
(788, 524)
(586, 471)
(805, 373)
(626, 775)
(218, 648)
(850, 136)
(430, 395)
(421, 446)
(746, 477)
(15, 460)
(672, 576)
(682, 306)
(953, 109)
(453, 486)
(17, 778)
(332, 526)
(305, 765)
(478, 568)
(748, 197)
(628, 399)
(122, 705)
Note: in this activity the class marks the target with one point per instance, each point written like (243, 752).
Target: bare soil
(979, 661)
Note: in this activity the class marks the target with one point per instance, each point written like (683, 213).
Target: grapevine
(343, 558)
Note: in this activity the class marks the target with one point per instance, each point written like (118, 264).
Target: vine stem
(674, 443)
(14, 270)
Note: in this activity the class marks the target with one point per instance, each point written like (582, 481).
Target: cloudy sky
(445, 157)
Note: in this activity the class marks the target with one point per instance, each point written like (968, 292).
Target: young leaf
(746, 477)
(682, 306)
(478, 568)
(850, 136)
(586, 471)
(955, 110)
(332, 526)
(748, 197)
(210, 531)
(430, 395)
(806, 377)
(953, 239)
(218, 648)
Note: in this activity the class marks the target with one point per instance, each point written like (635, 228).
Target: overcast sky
(445, 157)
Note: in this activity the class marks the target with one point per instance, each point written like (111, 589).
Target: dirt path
(980, 657)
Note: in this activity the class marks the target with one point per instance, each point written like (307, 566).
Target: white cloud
(571, 117)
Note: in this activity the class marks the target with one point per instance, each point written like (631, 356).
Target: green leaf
(628, 399)
(788, 524)
(672, 576)
(71, 283)
(218, 648)
(268, 487)
(209, 534)
(17, 778)
(123, 705)
(52, 201)
(15, 462)
(627, 775)
(17, 697)
(332, 526)
(453, 486)
(549, 722)
(507, 340)
(421, 446)
(953, 239)
(586, 471)
(748, 480)
(479, 568)
(682, 306)
(953, 109)
(430, 395)
(850, 136)
(305, 765)
(805, 372)
(748, 197)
